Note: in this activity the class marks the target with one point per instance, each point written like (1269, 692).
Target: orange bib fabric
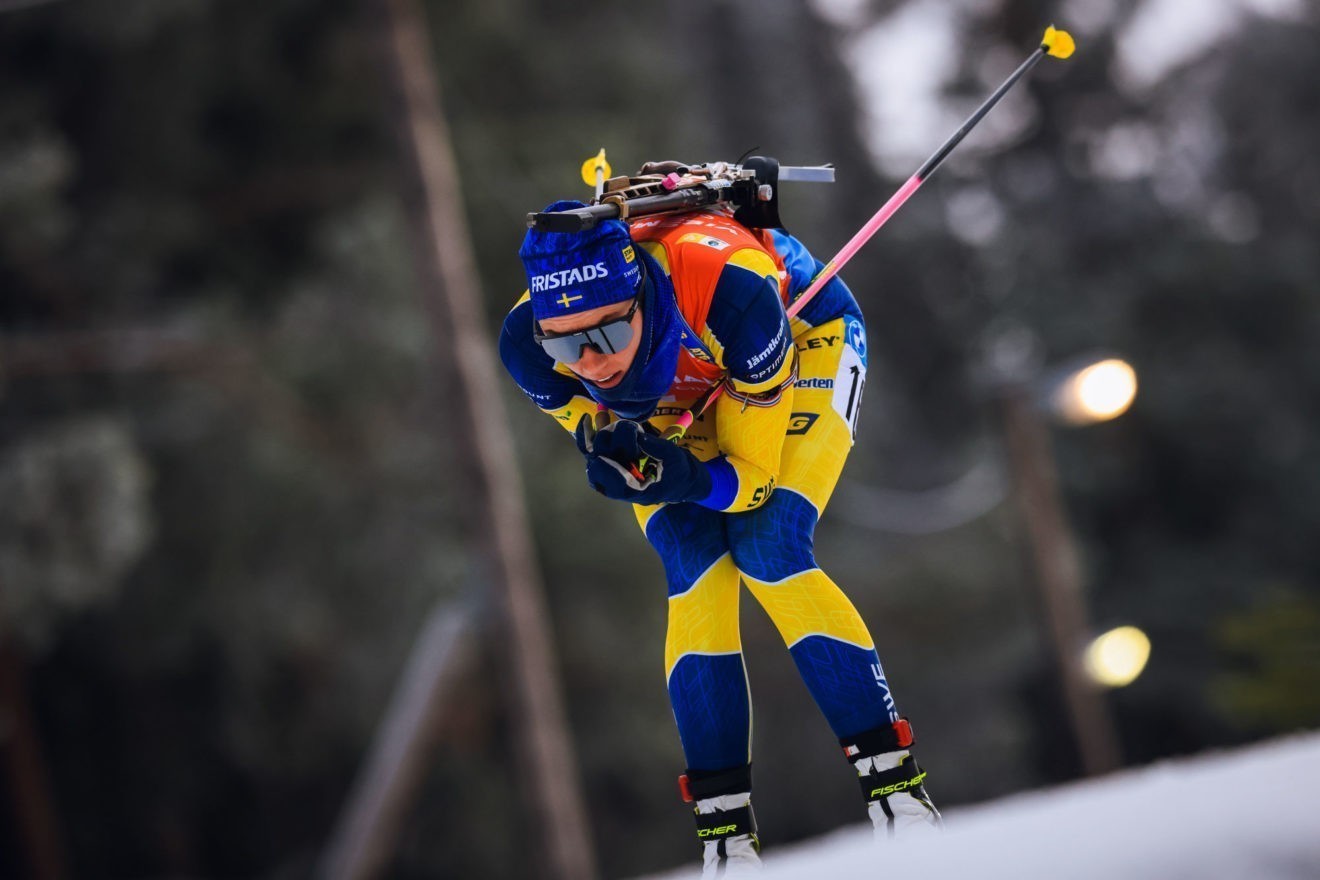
(697, 247)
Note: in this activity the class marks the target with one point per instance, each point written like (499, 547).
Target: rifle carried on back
(752, 188)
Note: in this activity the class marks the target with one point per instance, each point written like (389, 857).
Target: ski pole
(673, 433)
(1055, 42)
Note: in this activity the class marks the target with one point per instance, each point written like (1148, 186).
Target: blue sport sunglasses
(607, 337)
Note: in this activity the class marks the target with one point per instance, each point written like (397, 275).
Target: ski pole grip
(679, 428)
(673, 434)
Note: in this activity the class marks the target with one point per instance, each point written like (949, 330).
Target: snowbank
(1253, 813)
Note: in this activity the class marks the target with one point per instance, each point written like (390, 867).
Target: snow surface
(1250, 814)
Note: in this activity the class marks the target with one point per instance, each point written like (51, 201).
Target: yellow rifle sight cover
(589, 167)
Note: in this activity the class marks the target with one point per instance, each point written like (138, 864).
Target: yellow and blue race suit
(775, 443)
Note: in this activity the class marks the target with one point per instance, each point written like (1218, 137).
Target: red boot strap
(697, 785)
(878, 741)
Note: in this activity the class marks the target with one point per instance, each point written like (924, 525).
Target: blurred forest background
(231, 486)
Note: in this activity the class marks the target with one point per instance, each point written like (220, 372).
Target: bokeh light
(1117, 657)
(1096, 393)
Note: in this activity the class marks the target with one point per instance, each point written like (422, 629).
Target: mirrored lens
(608, 338)
(565, 349)
(613, 337)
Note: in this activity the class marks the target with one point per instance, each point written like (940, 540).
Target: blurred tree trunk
(1059, 580)
(29, 789)
(448, 276)
(389, 780)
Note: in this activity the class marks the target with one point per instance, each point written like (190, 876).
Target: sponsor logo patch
(707, 240)
(887, 790)
(569, 277)
(800, 423)
(772, 347)
(857, 337)
(700, 354)
(818, 342)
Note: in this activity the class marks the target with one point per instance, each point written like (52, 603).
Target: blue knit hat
(570, 272)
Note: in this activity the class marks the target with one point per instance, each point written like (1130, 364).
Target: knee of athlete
(773, 541)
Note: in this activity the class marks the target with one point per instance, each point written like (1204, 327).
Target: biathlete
(642, 321)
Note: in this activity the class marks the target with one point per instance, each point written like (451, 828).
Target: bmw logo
(857, 336)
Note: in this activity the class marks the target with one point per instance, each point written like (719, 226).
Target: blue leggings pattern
(771, 546)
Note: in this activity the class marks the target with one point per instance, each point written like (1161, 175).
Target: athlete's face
(602, 370)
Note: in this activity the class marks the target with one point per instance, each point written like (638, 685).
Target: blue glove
(672, 473)
(593, 443)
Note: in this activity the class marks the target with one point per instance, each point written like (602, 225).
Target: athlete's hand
(593, 442)
(672, 473)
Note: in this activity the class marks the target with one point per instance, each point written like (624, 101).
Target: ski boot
(726, 827)
(891, 781)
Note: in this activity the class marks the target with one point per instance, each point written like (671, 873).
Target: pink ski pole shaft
(1056, 43)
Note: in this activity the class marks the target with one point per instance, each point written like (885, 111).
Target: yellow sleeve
(570, 414)
(751, 423)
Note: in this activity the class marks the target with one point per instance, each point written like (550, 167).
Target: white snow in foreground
(1252, 813)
